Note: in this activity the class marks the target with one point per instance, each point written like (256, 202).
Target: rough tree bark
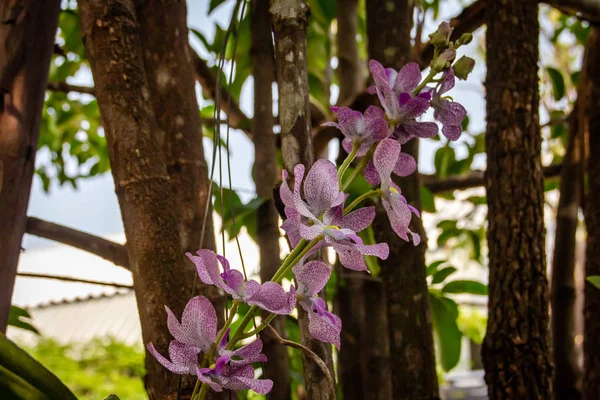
(168, 65)
(289, 27)
(27, 32)
(349, 299)
(412, 356)
(563, 294)
(516, 349)
(591, 341)
(265, 178)
(110, 33)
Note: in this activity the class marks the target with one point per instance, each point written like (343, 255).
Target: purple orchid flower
(269, 296)
(197, 333)
(323, 197)
(360, 129)
(394, 90)
(396, 206)
(322, 325)
(448, 112)
(224, 375)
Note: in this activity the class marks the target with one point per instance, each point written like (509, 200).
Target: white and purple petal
(270, 296)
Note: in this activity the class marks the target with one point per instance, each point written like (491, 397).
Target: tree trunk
(168, 65)
(265, 178)
(412, 356)
(516, 349)
(290, 18)
(111, 36)
(563, 295)
(27, 32)
(591, 341)
(349, 299)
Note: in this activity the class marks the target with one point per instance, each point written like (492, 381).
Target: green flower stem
(360, 199)
(284, 271)
(427, 79)
(347, 161)
(290, 257)
(196, 388)
(359, 168)
(265, 322)
(203, 392)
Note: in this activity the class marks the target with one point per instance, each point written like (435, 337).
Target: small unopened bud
(444, 60)
(463, 67)
(441, 37)
(465, 38)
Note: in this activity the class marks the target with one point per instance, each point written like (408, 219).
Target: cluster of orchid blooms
(317, 217)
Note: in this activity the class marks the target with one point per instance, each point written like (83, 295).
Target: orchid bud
(463, 67)
(444, 60)
(440, 38)
(465, 38)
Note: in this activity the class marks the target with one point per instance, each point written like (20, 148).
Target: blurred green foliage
(96, 369)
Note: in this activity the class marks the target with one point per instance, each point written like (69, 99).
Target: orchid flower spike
(394, 90)
(322, 325)
(269, 296)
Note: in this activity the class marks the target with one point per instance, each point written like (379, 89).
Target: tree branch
(111, 251)
(474, 179)
(71, 279)
(66, 88)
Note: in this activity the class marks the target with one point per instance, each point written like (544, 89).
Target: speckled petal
(207, 266)
(312, 277)
(370, 174)
(379, 250)
(408, 78)
(350, 256)
(321, 187)
(199, 320)
(405, 165)
(452, 132)
(351, 123)
(415, 107)
(248, 354)
(322, 328)
(447, 81)
(311, 232)
(359, 219)
(385, 159)
(184, 358)
(270, 296)
(377, 127)
(421, 129)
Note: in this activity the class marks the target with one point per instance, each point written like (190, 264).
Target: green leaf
(12, 387)
(427, 200)
(112, 397)
(594, 280)
(444, 313)
(575, 77)
(465, 123)
(16, 361)
(433, 267)
(558, 83)
(444, 158)
(18, 318)
(214, 4)
(201, 37)
(442, 274)
(465, 286)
